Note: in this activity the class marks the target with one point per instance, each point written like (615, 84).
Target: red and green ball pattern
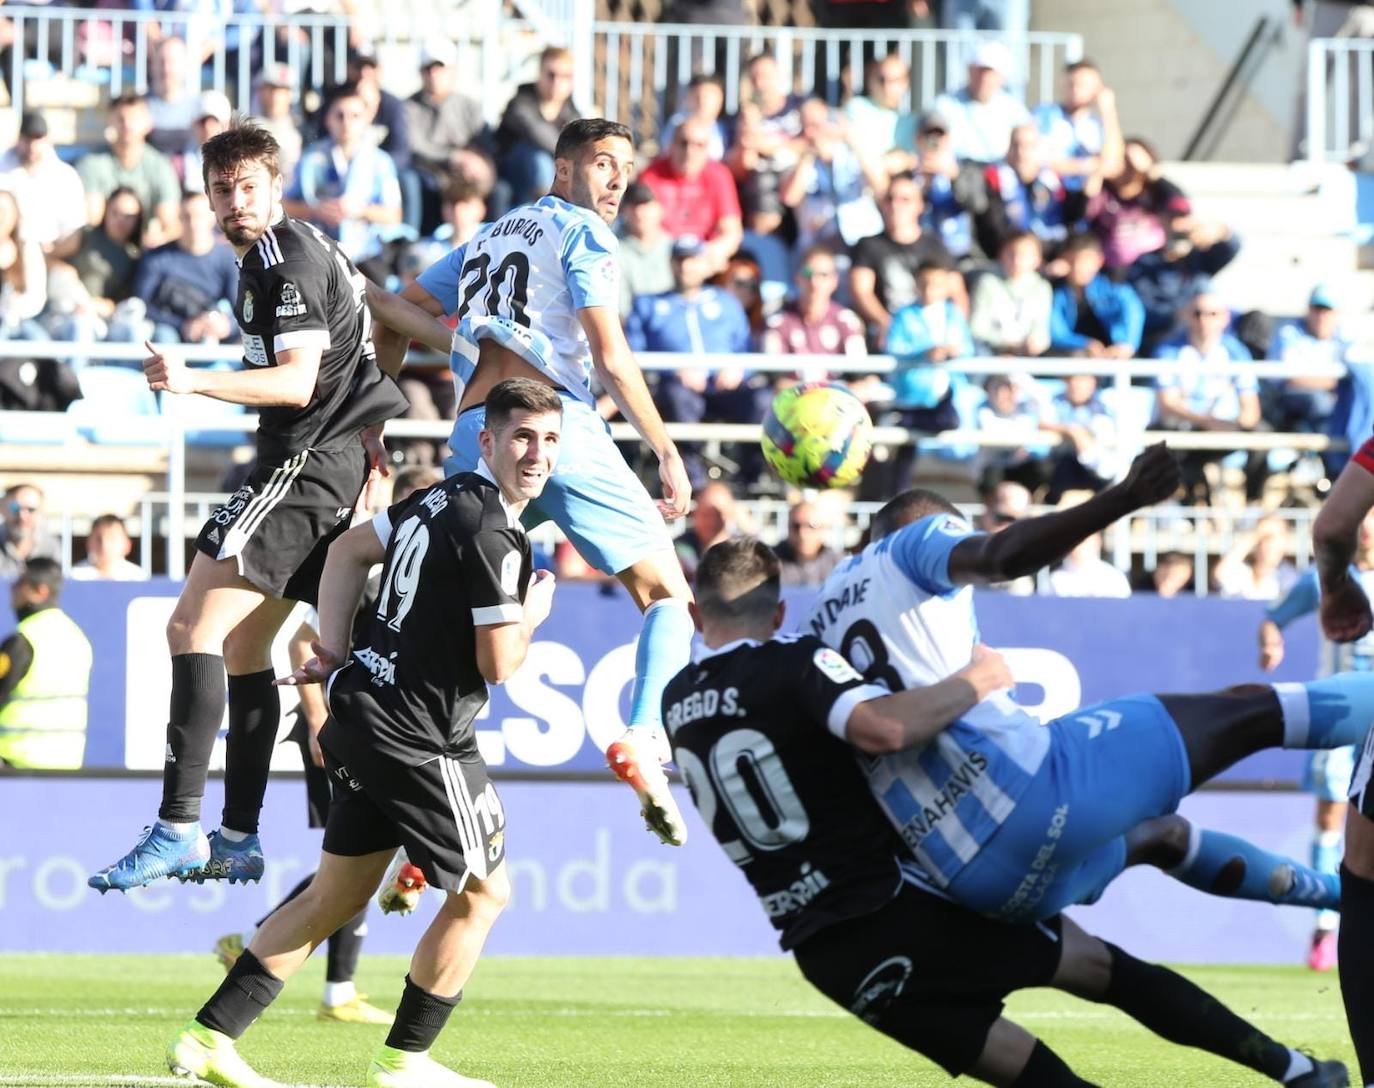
(817, 435)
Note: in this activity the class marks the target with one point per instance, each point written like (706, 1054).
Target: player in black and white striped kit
(310, 370)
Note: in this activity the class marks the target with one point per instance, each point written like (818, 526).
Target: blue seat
(115, 408)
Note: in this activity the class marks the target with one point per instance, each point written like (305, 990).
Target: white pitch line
(115, 1080)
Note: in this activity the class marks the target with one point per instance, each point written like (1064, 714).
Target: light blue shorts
(592, 496)
(1328, 773)
(1109, 767)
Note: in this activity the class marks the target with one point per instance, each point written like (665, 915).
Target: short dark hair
(128, 98)
(414, 478)
(242, 142)
(459, 188)
(701, 79)
(936, 263)
(577, 135)
(124, 190)
(907, 507)
(1016, 237)
(349, 89)
(43, 572)
(810, 253)
(106, 521)
(519, 395)
(1081, 242)
(738, 579)
(1083, 63)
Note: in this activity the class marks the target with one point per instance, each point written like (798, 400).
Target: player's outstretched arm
(911, 718)
(290, 384)
(390, 344)
(409, 320)
(1345, 612)
(1034, 543)
(501, 647)
(622, 379)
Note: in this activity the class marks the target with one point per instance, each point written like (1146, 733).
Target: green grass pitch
(629, 1023)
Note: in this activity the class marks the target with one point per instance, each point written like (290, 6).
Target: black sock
(242, 997)
(289, 896)
(1175, 1009)
(419, 1018)
(196, 711)
(345, 946)
(1045, 1069)
(254, 717)
(1355, 949)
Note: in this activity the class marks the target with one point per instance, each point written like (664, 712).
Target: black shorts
(445, 812)
(280, 523)
(1361, 795)
(928, 973)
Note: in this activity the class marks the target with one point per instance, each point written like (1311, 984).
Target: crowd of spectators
(978, 226)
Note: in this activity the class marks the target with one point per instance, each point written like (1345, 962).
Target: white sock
(339, 993)
(177, 828)
(228, 834)
(1298, 1065)
(1297, 716)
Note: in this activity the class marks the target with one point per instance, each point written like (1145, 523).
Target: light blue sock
(1225, 865)
(1327, 713)
(1327, 848)
(665, 647)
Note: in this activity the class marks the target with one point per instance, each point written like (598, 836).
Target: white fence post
(1316, 101)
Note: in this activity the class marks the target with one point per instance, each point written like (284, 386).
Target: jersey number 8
(510, 278)
(747, 775)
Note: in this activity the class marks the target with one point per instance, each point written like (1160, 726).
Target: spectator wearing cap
(446, 130)
(347, 186)
(1025, 194)
(189, 285)
(699, 319)
(646, 249)
(1092, 315)
(767, 135)
(52, 202)
(704, 100)
(212, 118)
(831, 189)
(1081, 133)
(1217, 401)
(815, 324)
(276, 112)
(880, 118)
(882, 275)
(128, 161)
(1305, 403)
(698, 195)
(955, 191)
(982, 113)
(173, 95)
(1168, 277)
(528, 133)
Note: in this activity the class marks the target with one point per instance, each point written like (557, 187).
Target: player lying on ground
(457, 609)
(537, 296)
(1327, 774)
(759, 727)
(1345, 617)
(311, 371)
(1018, 820)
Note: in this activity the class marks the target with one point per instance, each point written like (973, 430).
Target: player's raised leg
(214, 600)
(1177, 1010)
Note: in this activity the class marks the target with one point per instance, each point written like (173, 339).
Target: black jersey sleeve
(829, 686)
(296, 295)
(496, 569)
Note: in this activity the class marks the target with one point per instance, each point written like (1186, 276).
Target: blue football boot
(160, 852)
(236, 862)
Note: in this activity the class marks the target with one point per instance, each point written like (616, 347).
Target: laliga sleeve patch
(952, 526)
(510, 574)
(834, 667)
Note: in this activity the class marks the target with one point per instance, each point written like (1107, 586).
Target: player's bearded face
(599, 178)
(245, 200)
(523, 452)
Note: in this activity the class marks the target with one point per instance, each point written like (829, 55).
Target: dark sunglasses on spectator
(799, 525)
(1001, 517)
(935, 130)
(682, 141)
(809, 273)
(744, 281)
(558, 73)
(1198, 311)
(17, 507)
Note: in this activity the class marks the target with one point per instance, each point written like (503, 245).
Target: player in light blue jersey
(1016, 819)
(1328, 773)
(537, 295)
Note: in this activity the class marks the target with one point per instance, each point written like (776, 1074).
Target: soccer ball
(817, 435)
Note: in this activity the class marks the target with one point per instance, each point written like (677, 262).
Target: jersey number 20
(507, 286)
(747, 775)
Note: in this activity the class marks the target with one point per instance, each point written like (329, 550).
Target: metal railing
(629, 71)
(176, 515)
(1340, 98)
